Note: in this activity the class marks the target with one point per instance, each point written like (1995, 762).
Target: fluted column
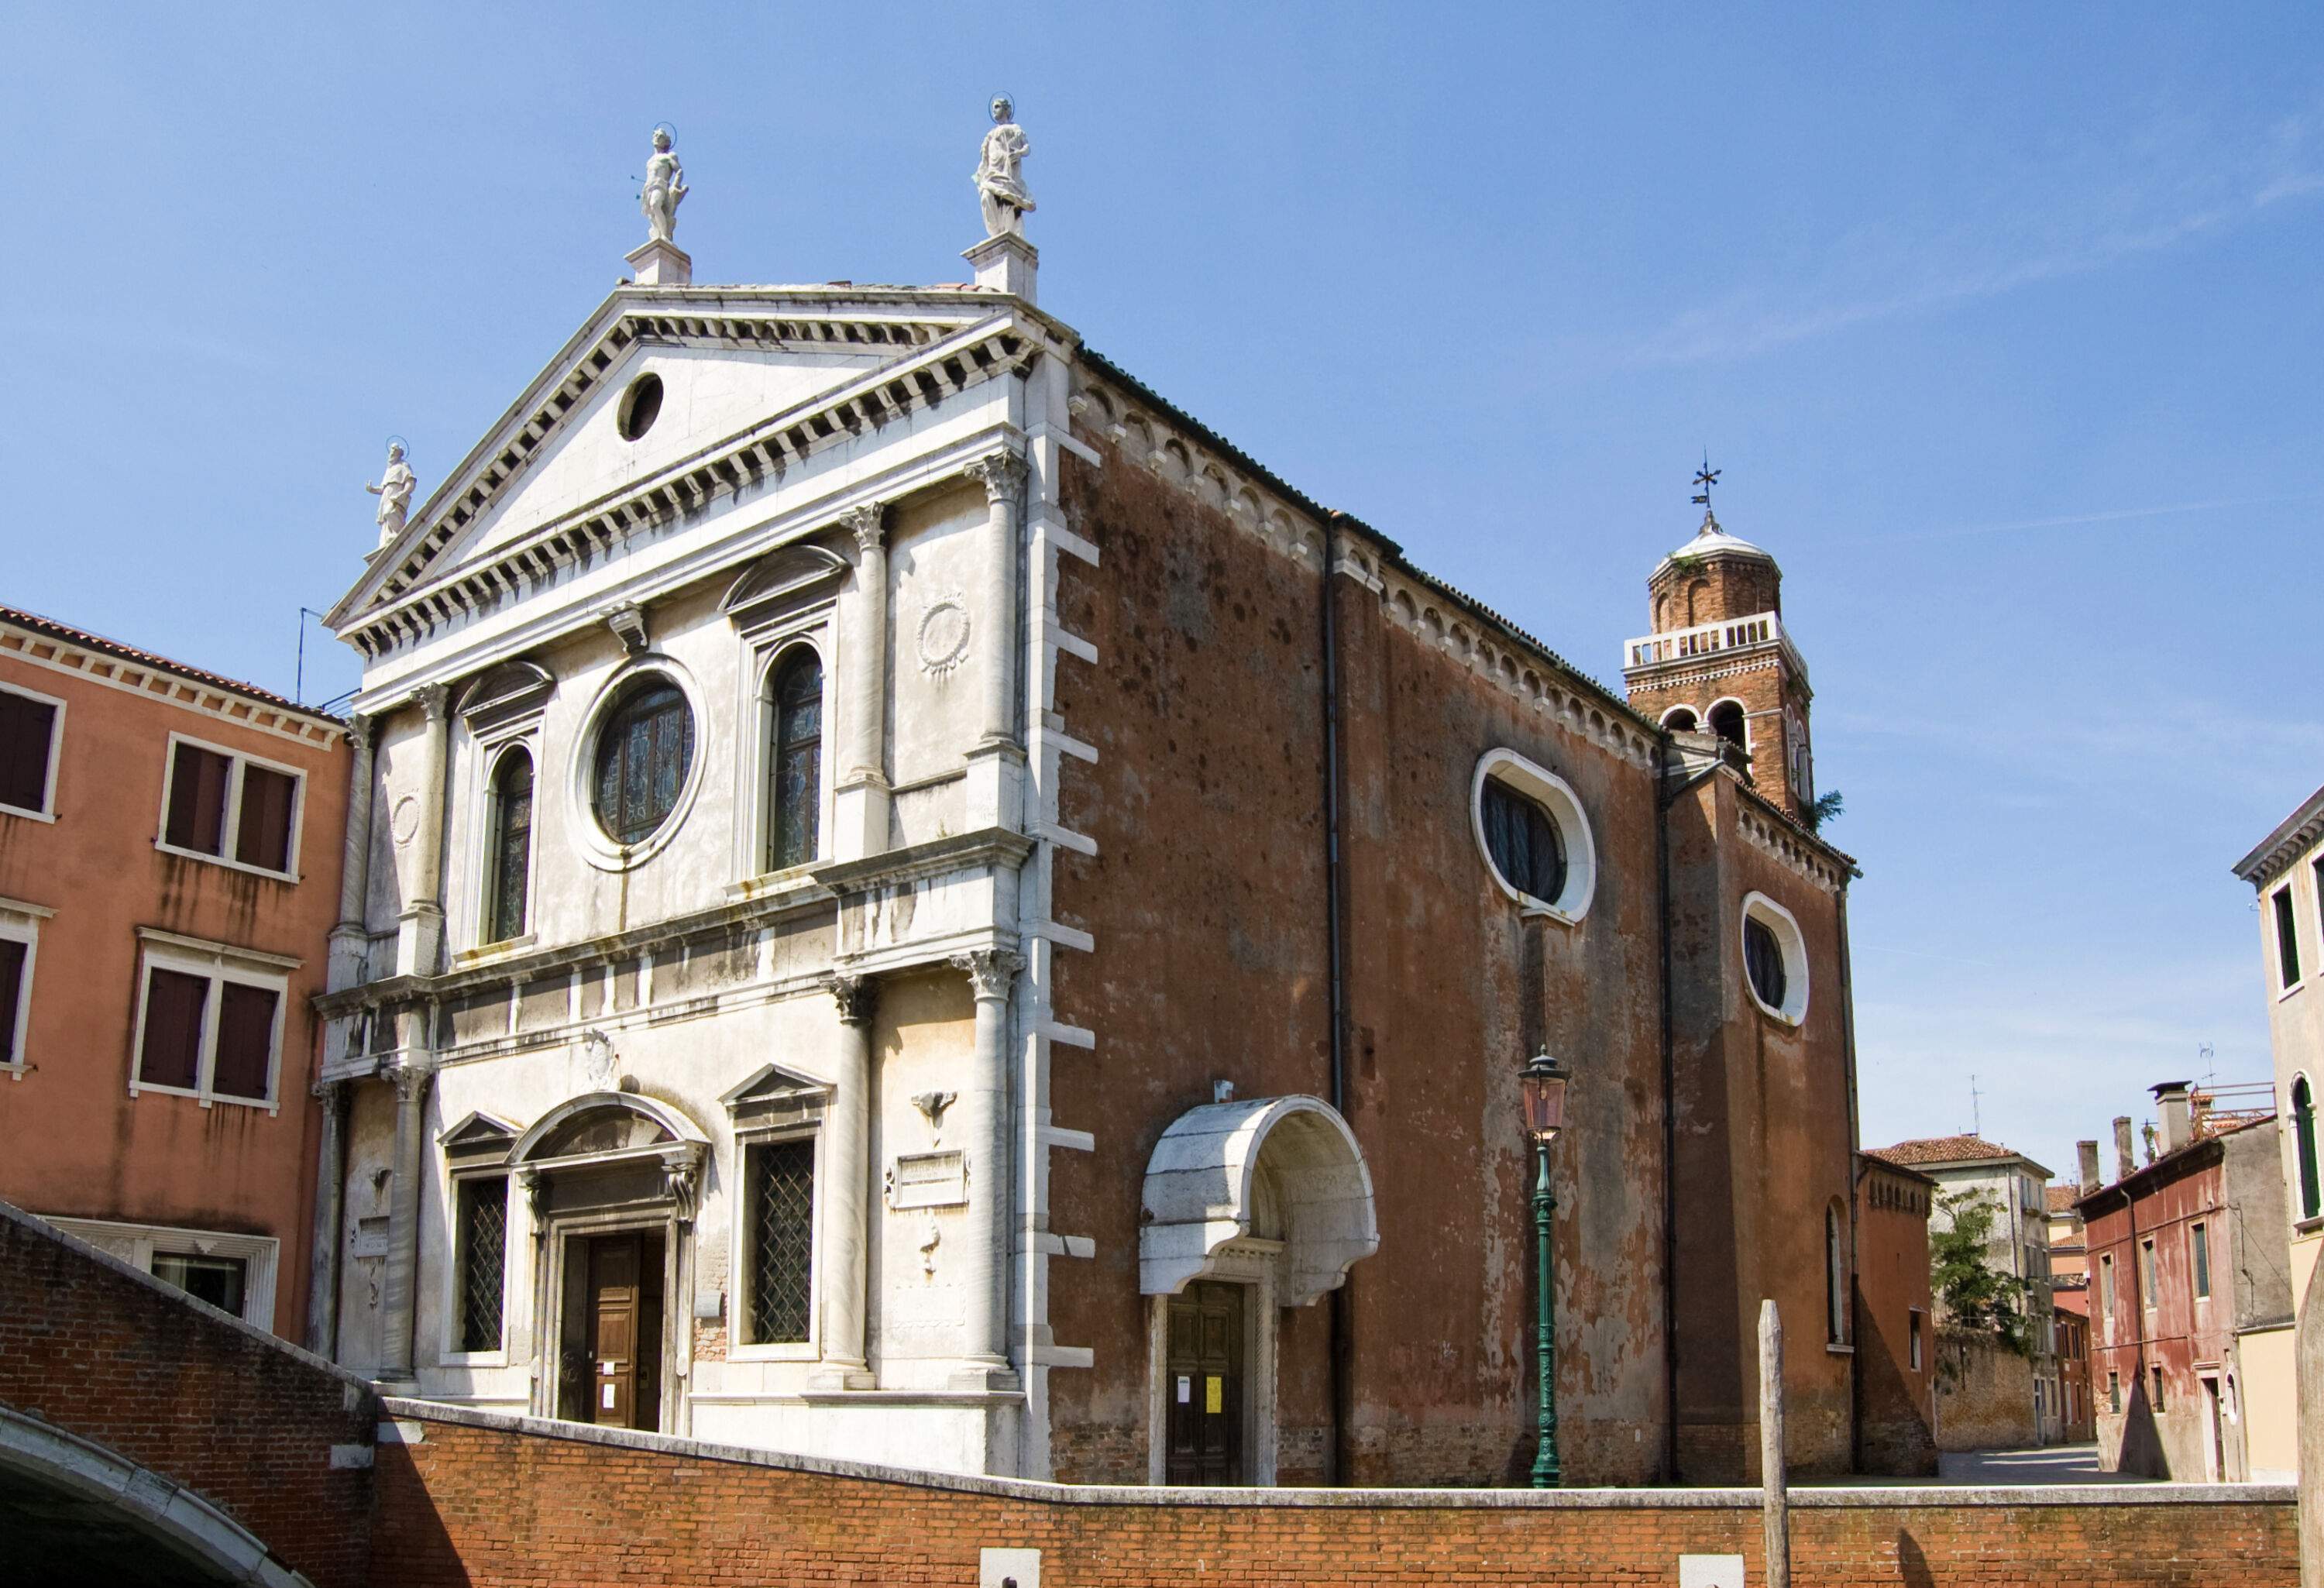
(847, 1208)
(984, 1130)
(1002, 474)
(420, 930)
(330, 1187)
(399, 1286)
(351, 937)
(861, 798)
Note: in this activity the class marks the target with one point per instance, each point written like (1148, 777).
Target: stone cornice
(1767, 829)
(157, 680)
(2298, 834)
(385, 611)
(987, 846)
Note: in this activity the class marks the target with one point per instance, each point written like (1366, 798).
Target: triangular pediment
(771, 1082)
(749, 381)
(478, 1131)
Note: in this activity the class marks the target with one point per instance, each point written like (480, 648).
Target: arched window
(2303, 1143)
(1680, 719)
(794, 762)
(1525, 846)
(643, 754)
(1835, 1280)
(1727, 722)
(510, 877)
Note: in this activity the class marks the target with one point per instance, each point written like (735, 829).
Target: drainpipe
(1335, 984)
(1855, 1140)
(1663, 801)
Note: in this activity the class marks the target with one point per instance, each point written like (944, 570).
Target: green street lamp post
(1543, 1086)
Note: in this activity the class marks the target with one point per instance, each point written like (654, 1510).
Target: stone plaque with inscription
(929, 1180)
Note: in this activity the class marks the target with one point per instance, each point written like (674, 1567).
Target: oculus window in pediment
(782, 582)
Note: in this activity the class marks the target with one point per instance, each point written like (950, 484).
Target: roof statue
(394, 493)
(999, 185)
(665, 189)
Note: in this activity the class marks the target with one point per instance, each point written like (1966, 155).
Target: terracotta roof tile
(82, 637)
(1942, 1149)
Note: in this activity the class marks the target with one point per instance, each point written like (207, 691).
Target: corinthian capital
(1002, 475)
(410, 1081)
(990, 970)
(434, 699)
(857, 996)
(869, 525)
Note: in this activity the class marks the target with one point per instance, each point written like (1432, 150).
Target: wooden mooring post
(1776, 1501)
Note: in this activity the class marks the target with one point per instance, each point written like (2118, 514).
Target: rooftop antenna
(1706, 476)
(2204, 1056)
(299, 689)
(1976, 1115)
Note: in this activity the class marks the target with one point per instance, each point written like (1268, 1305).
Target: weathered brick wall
(479, 1502)
(246, 1422)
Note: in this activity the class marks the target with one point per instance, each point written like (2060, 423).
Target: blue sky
(2003, 322)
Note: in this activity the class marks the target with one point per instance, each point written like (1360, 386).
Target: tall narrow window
(2105, 1288)
(2146, 1274)
(27, 737)
(13, 955)
(2200, 1240)
(1835, 1280)
(2155, 1380)
(2113, 1393)
(482, 1260)
(2287, 938)
(512, 873)
(780, 1192)
(2303, 1140)
(795, 767)
(1913, 1325)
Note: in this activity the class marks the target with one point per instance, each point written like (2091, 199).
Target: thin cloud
(2065, 224)
(2114, 515)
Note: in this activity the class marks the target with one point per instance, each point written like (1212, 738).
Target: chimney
(2088, 1152)
(2125, 1165)
(2171, 1098)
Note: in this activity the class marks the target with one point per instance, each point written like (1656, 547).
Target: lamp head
(1541, 1085)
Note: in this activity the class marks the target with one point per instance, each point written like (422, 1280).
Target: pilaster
(984, 1109)
(846, 1207)
(420, 930)
(860, 800)
(399, 1285)
(994, 795)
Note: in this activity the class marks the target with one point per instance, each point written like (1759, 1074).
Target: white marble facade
(867, 475)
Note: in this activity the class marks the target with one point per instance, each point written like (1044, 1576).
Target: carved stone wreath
(944, 634)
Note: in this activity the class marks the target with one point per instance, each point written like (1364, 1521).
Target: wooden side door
(1203, 1397)
(616, 1263)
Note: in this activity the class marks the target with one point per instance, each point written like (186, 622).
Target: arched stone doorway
(1248, 1207)
(612, 1181)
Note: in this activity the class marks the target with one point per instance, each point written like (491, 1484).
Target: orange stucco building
(169, 863)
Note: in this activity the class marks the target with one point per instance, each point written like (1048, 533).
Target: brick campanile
(1720, 661)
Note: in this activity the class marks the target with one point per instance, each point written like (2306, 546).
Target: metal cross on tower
(1706, 476)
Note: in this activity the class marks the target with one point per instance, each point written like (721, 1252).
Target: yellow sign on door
(1214, 1394)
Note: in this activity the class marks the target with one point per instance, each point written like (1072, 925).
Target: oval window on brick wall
(1532, 833)
(1774, 959)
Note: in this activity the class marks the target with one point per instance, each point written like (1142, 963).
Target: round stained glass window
(645, 750)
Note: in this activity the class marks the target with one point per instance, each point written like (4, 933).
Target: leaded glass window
(1763, 961)
(1527, 848)
(511, 874)
(2303, 1141)
(795, 768)
(483, 1261)
(644, 752)
(780, 1195)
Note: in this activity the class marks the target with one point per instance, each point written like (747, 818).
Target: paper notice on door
(1186, 1390)
(1214, 1393)
(609, 1397)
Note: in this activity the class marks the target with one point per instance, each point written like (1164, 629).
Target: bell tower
(1719, 661)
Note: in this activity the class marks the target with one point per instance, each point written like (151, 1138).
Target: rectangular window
(15, 992)
(28, 740)
(230, 807)
(218, 1281)
(210, 1027)
(779, 1201)
(2200, 1239)
(1913, 1328)
(2155, 1393)
(2113, 1393)
(2146, 1273)
(483, 1261)
(2287, 938)
(2105, 1288)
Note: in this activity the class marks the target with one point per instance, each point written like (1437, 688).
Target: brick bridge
(145, 1437)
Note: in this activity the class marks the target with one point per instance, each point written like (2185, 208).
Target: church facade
(907, 900)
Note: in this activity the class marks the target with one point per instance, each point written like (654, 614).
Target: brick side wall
(480, 1503)
(244, 1421)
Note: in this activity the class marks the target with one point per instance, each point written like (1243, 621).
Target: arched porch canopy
(1272, 1168)
(622, 1122)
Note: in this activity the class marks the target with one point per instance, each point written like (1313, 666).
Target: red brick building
(1895, 1329)
(170, 858)
(2187, 1258)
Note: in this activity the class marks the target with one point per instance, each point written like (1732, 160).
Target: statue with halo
(1000, 187)
(665, 189)
(394, 493)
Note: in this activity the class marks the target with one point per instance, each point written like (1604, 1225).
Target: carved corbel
(627, 619)
(932, 1106)
(536, 1200)
(681, 1181)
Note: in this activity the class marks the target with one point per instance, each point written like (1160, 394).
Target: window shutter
(245, 1041)
(197, 801)
(173, 1030)
(26, 728)
(265, 835)
(12, 991)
